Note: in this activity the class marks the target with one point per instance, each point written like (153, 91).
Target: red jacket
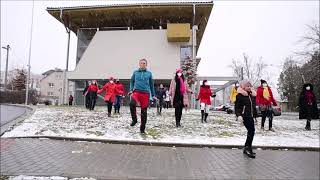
(205, 94)
(260, 100)
(93, 88)
(120, 89)
(110, 89)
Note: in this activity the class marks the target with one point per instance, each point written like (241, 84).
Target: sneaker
(271, 129)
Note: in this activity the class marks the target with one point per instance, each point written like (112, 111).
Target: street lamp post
(6, 72)
(30, 43)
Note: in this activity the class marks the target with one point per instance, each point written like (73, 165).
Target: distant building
(51, 86)
(113, 38)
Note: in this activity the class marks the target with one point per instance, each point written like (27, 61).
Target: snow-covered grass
(220, 129)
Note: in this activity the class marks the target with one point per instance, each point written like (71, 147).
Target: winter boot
(202, 115)
(205, 117)
(308, 125)
(248, 151)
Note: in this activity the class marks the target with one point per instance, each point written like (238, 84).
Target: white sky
(270, 29)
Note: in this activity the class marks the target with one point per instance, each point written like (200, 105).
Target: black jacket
(161, 93)
(245, 106)
(303, 104)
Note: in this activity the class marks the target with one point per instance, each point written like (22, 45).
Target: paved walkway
(45, 157)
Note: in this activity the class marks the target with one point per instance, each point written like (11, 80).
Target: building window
(51, 85)
(50, 93)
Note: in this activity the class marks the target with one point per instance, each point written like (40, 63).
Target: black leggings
(249, 124)
(109, 104)
(178, 114)
(267, 113)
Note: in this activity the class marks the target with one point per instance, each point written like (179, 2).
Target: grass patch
(97, 133)
(2, 177)
(153, 133)
(226, 134)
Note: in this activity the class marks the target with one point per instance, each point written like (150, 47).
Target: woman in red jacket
(92, 91)
(110, 96)
(205, 101)
(265, 101)
(119, 95)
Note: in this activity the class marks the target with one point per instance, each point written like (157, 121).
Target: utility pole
(6, 72)
(30, 43)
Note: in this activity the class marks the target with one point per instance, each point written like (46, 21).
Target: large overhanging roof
(135, 16)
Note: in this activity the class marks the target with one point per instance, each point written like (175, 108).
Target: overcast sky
(269, 29)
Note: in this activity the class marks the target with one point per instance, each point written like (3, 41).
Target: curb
(17, 120)
(165, 144)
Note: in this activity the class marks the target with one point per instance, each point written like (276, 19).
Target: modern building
(113, 38)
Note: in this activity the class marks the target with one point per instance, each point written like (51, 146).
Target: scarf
(309, 97)
(266, 93)
(182, 86)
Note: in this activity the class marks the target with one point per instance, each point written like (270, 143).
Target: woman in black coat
(245, 107)
(308, 105)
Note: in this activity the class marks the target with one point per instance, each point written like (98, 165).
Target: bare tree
(311, 41)
(254, 70)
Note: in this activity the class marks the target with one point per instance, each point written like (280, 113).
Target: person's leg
(115, 105)
(270, 117)
(206, 110)
(160, 104)
(202, 107)
(263, 118)
(176, 114)
(180, 115)
(93, 103)
(309, 117)
(133, 110)
(109, 104)
(119, 103)
(249, 124)
(143, 98)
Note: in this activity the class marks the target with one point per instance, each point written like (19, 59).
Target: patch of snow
(222, 129)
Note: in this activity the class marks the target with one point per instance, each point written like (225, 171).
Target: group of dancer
(244, 96)
(114, 92)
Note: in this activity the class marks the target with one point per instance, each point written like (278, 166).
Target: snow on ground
(220, 129)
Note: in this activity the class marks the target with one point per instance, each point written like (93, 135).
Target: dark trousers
(159, 105)
(267, 113)
(87, 101)
(249, 124)
(117, 104)
(70, 103)
(178, 114)
(167, 104)
(109, 104)
(92, 102)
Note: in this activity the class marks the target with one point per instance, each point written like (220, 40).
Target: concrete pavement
(46, 157)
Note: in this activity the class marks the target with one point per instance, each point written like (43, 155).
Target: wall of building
(57, 79)
(116, 53)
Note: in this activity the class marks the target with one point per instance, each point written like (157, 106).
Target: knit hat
(263, 81)
(179, 71)
(110, 78)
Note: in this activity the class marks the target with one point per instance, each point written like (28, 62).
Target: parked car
(275, 109)
(221, 107)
